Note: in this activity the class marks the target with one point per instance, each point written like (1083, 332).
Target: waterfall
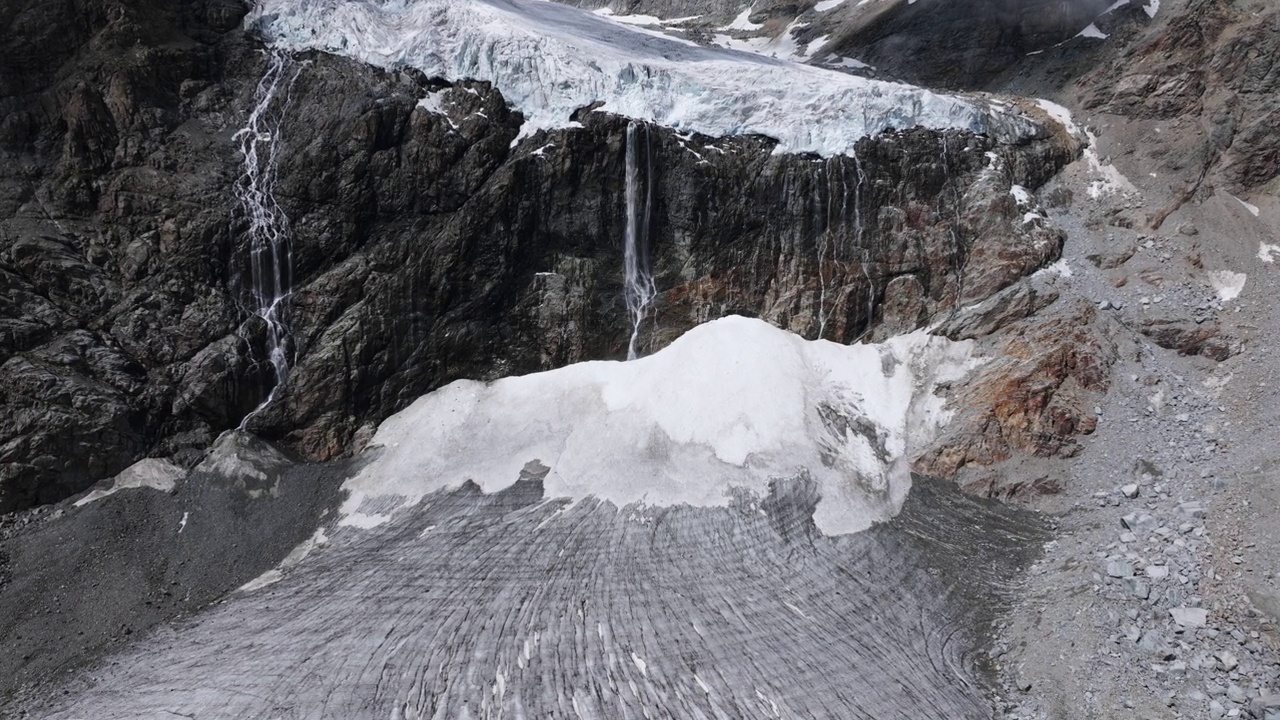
(639, 290)
(822, 231)
(957, 253)
(267, 235)
(858, 228)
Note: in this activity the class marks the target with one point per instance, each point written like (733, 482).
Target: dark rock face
(427, 248)
(962, 44)
(113, 233)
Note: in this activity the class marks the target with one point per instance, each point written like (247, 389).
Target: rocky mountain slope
(1114, 269)
(126, 263)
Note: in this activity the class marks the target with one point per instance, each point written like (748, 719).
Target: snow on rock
(549, 60)
(731, 404)
(743, 22)
(1059, 114)
(1227, 284)
(151, 473)
(1253, 209)
(1109, 178)
(1059, 268)
(1092, 32)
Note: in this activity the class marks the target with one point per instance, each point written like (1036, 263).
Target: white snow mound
(732, 403)
(549, 60)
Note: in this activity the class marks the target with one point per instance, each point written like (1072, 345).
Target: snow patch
(731, 404)
(1227, 284)
(434, 102)
(836, 61)
(825, 5)
(629, 19)
(549, 60)
(783, 47)
(1253, 209)
(1092, 32)
(1059, 114)
(743, 21)
(295, 556)
(1266, 252)
(1152, 8)
(1059, 268)
(152, 473)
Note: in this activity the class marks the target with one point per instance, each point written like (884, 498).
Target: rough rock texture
(426, 248)
(1216, 66)
(1033, 399)
(113, 234)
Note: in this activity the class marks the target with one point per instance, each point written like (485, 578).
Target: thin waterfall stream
(639, 288)
(268, 234)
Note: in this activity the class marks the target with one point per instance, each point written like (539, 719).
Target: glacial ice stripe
(730, 404)
(549, 60)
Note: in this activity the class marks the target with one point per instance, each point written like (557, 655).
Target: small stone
(1119, 569)
(1137, 588)
(1157, 572)
(1236, 694)
(1191, 509)
(1130, 491)
(1189, 617)
(1226, 660)
(1128, 538)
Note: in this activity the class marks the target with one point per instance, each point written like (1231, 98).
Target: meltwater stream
(268, 234)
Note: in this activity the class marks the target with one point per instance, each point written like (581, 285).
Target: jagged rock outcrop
(1215, 67)
(1033, 398)
(426, 247)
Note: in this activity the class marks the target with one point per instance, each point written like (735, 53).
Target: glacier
(550, 60)
(728, 406)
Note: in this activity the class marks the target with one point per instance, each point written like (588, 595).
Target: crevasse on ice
(549, 60)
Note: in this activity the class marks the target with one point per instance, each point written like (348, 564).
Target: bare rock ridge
(427, 248)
